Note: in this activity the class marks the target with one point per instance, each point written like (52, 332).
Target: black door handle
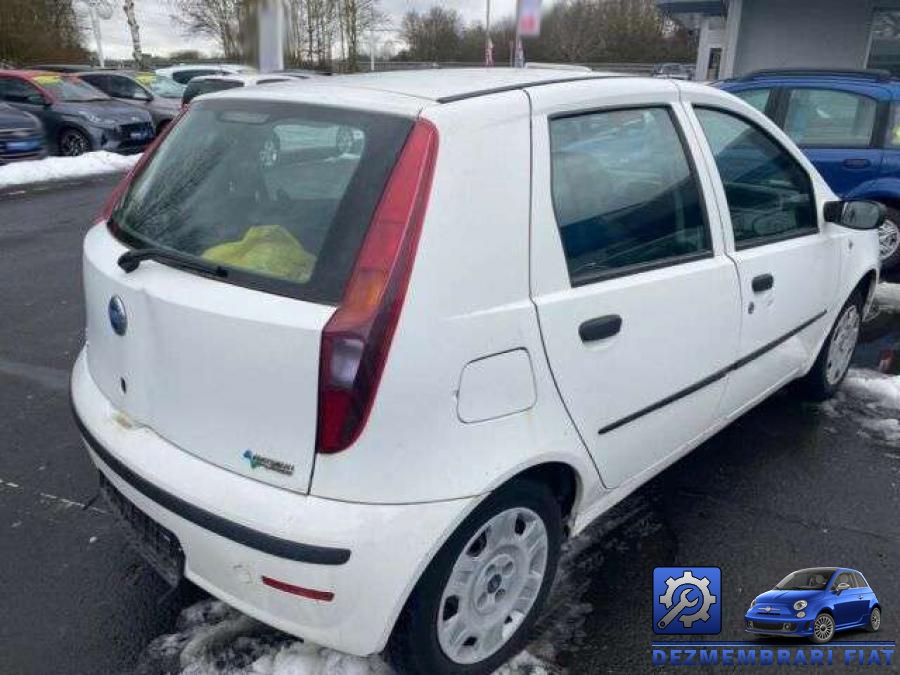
(600, 328)
(762, 283)
(857, 163)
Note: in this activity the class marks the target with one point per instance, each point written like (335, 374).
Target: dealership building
(740, 36)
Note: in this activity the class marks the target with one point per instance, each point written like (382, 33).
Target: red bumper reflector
(324, 596)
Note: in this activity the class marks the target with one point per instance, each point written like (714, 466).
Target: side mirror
(842, 587)
(857, 215)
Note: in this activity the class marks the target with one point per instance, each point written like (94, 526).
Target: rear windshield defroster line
(303, 181)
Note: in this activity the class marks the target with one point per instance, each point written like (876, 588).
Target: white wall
(797, 33)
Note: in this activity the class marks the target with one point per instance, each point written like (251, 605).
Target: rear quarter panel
(468, 299)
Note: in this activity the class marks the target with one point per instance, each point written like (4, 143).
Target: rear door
(638, 303)
(840, 131)
(788, 265)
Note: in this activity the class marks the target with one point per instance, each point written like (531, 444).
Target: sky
(160, 35)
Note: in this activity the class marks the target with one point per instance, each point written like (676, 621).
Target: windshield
(806, 580)
(69, 88)
(165, 87)
(280, 194)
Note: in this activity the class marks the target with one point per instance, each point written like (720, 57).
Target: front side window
(823, 117)
(624, 194)
(266, 190)
(758, 98)
(842, 578)
(769, 193)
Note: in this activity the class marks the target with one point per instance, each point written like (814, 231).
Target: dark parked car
(77, 117)
(21, 136)
(62, 67)
(159, 96)
(207, 84)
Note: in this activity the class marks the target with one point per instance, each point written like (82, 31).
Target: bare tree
(436, 35)
(218, 19)
(137, 54)
(39, 30)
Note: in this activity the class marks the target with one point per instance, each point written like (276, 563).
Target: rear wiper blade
(131, 260)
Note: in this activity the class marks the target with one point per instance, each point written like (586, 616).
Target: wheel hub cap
(888, 239)
(493, 586)
(843, 343)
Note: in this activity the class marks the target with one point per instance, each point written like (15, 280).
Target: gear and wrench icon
(702, 585)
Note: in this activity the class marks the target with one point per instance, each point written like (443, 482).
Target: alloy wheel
(843, 342)
(73, 144)
(823, 628)
(493, 585)
(875, 619)
(888, 239)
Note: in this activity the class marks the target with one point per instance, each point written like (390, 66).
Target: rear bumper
(234, 531)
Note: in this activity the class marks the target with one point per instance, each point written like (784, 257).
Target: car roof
(28, 74)
(446, 85)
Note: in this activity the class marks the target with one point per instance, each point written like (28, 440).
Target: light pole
(97, 10)
(488, 44)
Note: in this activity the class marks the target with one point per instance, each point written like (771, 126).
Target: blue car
(847, 123)
(815, 603)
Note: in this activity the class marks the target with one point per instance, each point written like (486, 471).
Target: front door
(789, 269)
(638, 303)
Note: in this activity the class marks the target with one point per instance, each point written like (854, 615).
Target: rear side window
(279, 194)
(624, 194)
(769, 194)
(197, 88)
(758, 98)
(823, 117)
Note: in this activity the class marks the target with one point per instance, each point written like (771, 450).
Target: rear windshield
(280, 194)
(197, 87)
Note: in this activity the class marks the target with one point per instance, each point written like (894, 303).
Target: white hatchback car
(364, 396)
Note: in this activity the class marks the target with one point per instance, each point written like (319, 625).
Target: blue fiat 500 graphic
(815, 603)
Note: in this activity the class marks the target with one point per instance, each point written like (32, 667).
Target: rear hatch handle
(131, 260)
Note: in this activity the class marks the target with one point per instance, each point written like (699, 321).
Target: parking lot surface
(790, 485)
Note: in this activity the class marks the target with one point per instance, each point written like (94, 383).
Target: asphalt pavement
(789, 485)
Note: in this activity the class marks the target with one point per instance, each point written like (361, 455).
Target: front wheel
(889, 240)
(874, 620)
(73, 143)
(833, 362)
(823, 629)
(474, 606)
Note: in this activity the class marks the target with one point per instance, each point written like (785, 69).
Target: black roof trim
(868, 74)
(513, 87)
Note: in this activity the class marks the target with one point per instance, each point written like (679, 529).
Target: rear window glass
(196, 88)
(279, 194)
(830, 118)
(758, 98)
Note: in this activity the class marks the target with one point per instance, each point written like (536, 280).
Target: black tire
(892, 226)
(414, 646)
(73, 143)
(816, 385)
(874, 622)
(823, 616)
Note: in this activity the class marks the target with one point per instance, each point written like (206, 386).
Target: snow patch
(212, 638)
(872, 400)
(62, 168)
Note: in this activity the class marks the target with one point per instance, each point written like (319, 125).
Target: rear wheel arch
(562, 479)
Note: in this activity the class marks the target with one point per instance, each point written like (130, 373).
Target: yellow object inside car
(266, 249)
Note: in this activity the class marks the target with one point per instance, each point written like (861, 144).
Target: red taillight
(356, 340)
(121, 188)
